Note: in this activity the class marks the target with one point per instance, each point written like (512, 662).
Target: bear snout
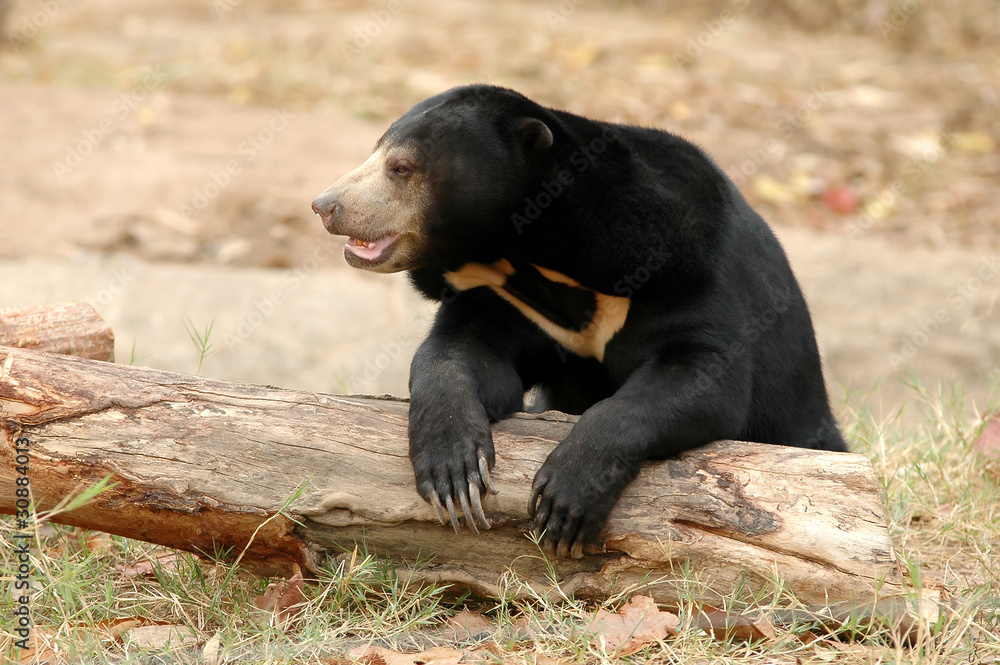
(328, 207)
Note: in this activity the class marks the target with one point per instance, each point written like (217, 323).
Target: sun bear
(614, 271)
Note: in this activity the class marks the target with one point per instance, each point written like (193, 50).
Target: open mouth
(371, 252)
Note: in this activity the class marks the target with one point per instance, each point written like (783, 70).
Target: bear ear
(535, 135)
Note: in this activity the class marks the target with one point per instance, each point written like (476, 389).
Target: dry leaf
(770, 190)
(584, 55)
(382, 656)
(466, 626)
(905, 615)
(918, 145)
(100, 543)
(116, 628)
(523, 630)
(973, 142)
(210, 653)
(282, 602)
(38, 652)
(488, 653)
(73, 540)
(909, 621)
(679, 110)
(879, 210)
(730, 625)
(166, 562)
(841, 199)
(635, 626)
(808, 637)
(806, 186)
(542, 659)
(988, 441)
(158, 637)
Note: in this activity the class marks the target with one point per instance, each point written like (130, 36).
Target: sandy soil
(198, 134)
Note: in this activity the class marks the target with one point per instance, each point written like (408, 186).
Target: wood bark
(73, 328)
(199, 464)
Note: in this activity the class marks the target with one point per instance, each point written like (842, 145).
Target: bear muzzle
(327, 206)
(370, 245)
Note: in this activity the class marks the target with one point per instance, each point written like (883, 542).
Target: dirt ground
(194, 136)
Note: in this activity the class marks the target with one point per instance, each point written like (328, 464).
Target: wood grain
(199, 464)
(73, 328)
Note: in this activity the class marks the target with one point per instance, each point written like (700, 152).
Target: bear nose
(328, 208)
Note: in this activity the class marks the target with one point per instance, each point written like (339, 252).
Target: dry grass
(943, 502)
(943, 507)
(729, 74)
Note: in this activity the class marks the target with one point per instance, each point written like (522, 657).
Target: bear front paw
(452, 456)
(571, 498)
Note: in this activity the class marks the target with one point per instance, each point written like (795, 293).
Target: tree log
(199, 464)
(73, 328)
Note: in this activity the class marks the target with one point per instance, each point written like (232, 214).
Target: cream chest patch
(582, 320)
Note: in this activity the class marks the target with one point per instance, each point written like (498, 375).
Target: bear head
(442, 182)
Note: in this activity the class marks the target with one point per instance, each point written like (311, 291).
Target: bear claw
(451, 513)
(477, 507)
(484, 472)
(438, 508)
(469, 518)
(472, 508)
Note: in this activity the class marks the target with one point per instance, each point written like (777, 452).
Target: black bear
(614, 269)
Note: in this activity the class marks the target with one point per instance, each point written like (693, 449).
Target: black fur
(718, 342)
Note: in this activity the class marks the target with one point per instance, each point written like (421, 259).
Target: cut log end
(74, 329)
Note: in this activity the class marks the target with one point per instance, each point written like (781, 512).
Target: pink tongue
(372, 250)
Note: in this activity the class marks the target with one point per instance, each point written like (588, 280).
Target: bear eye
(401, 169)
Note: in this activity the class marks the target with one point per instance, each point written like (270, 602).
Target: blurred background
(160, 160)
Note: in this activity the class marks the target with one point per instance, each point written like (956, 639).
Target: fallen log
(72, 328)
(200, 464)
